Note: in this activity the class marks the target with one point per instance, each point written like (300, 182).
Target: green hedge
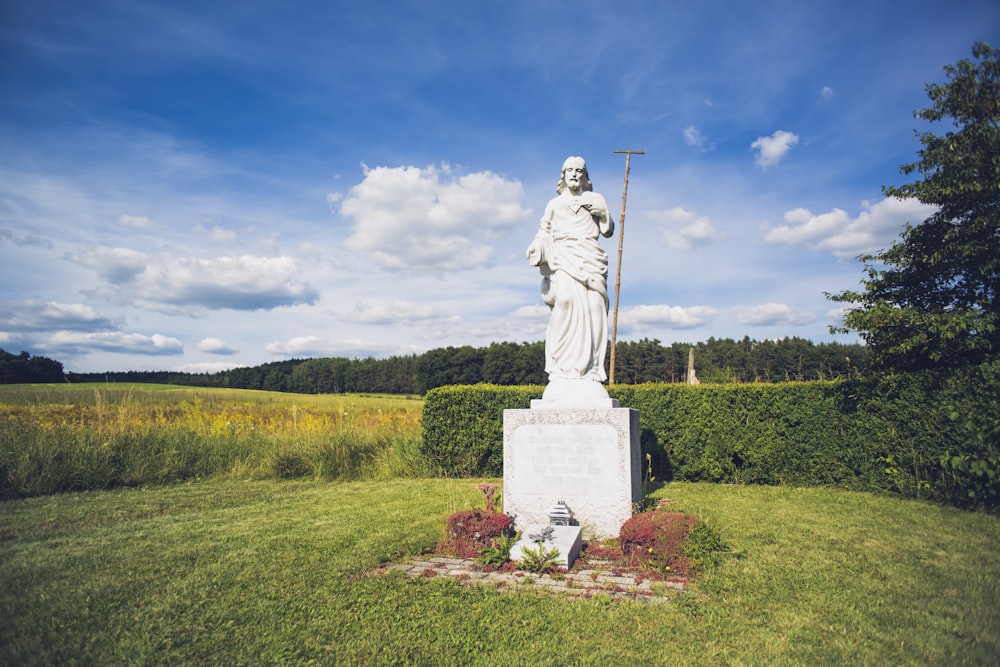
(924, 435)
(463, 426)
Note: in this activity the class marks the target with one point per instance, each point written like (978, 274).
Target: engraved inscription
(574, 460)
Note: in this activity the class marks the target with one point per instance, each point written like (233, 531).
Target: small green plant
(647, 503)
(539, 559)
(498, 553)
(703, 546)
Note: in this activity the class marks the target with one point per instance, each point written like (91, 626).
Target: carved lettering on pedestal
(577, 460)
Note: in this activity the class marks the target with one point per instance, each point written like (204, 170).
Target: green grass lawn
(264, 572)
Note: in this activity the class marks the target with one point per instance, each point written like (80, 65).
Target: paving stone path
(597, 579)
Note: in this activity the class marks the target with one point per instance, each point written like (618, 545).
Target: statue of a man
(574, 272)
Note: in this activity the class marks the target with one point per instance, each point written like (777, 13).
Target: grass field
(56, 438)
(269, 572)
(171, 525)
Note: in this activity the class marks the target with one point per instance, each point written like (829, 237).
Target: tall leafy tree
(931, 298)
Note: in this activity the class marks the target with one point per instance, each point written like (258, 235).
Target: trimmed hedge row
(463, 426)
(923, 435)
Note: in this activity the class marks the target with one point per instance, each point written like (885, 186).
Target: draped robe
(574, 272)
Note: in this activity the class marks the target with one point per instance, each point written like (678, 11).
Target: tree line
(24, 369)
(509, 363)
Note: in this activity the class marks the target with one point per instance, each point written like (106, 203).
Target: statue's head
(577, 168)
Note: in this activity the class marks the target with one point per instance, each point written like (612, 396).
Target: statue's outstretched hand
(534, 253)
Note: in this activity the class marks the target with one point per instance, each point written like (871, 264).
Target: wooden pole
(618, 270)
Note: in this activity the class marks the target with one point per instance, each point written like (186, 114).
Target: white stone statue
(574, 272)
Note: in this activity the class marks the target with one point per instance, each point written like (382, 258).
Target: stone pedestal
(588, 457)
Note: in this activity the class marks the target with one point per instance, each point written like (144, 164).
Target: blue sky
(201, 185)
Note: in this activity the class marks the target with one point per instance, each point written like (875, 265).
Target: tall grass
(56, 439)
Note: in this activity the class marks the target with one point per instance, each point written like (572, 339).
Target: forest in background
(507, 363)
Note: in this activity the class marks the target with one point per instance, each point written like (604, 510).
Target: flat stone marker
(564, 538)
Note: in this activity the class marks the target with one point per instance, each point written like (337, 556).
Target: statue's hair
(585, 181)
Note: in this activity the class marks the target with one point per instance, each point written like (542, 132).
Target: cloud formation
(115, 265)
(191, 284)
(694, 137)
(770, 150)
(392, 312)
(137, 221)
(769, 314)
(428, 220)
(665, 317)
(72, 330)
(317, 346)
(216, 346)
(208, 367)
(238, 283)
(875, 228)
(156, 223)
(76, 342)
(52, 316)
(681, 229)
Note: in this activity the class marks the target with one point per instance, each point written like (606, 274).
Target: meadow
(245, 566)
(57, 438)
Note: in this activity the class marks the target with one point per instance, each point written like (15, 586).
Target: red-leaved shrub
(471, 531)
(656, 539)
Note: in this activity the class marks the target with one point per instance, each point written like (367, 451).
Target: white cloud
(137, 221)
(532, 313)
(333, 199)
(523, 323)
(15, 341)
(52, 316)
(209, 367)
(491, 329)
(770, 150)
(772, 313)
(425, 220)
(159, 283)
(826, 93)
(804, 228)
(216, 346)
(238, 283)
(875, 228)
(835, 316)
(115, 265)
(217, 233)
(531, 321)
(71, 330)
(694, 137)
(669, 317)
(316, 346)
(75, 342)
(682, 229)
(392, 312)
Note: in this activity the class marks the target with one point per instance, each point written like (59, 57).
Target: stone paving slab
(575, 583)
